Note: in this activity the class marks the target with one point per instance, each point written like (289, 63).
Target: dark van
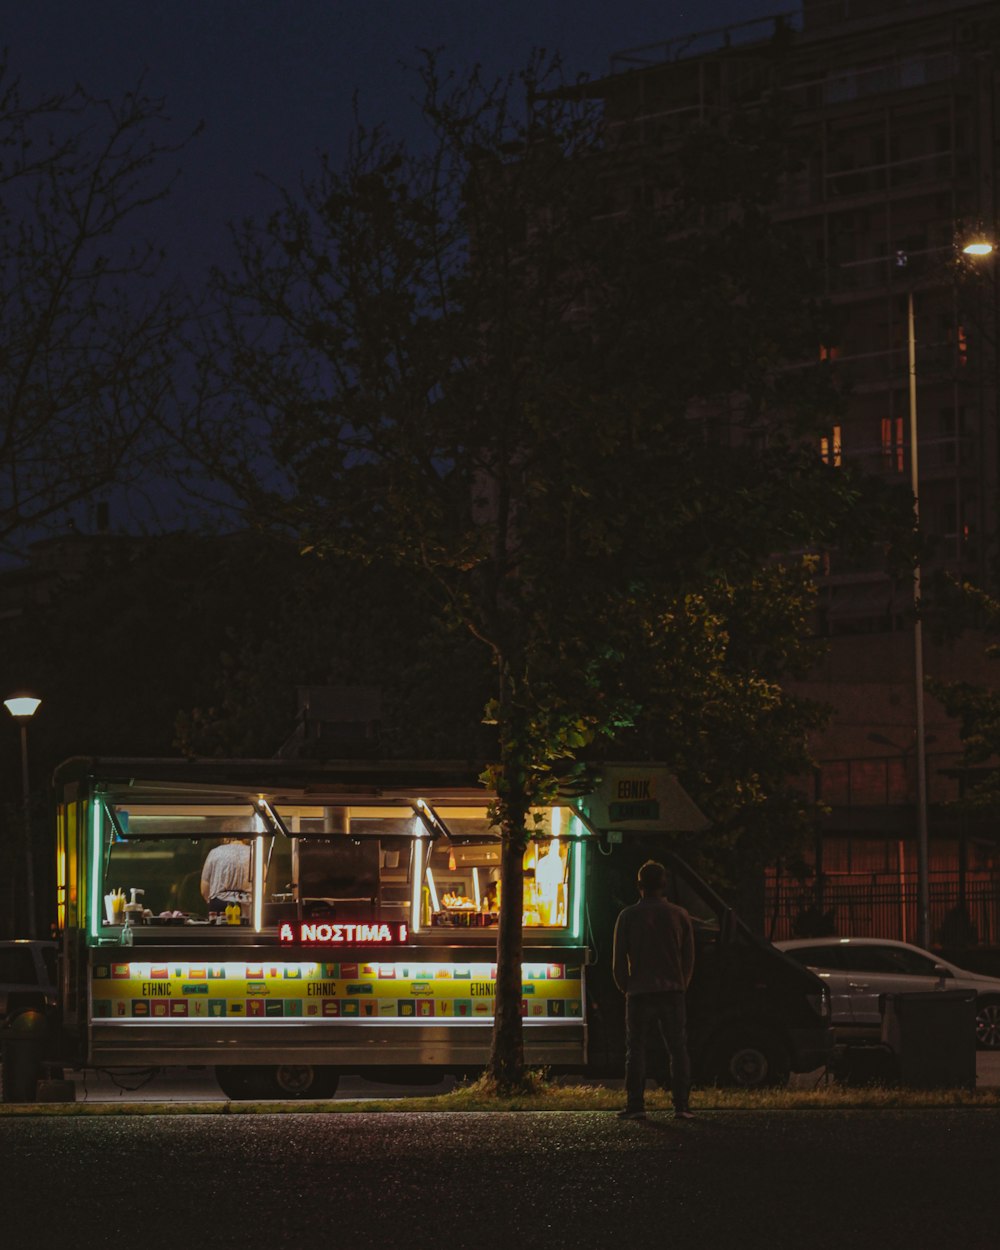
(752, 1016)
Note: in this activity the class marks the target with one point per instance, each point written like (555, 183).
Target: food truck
(359, 933)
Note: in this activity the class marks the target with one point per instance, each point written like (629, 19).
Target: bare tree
(86, 322)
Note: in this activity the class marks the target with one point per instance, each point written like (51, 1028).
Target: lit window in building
(830, 448)
(892, 443)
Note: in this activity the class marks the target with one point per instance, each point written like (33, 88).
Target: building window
(830, 448)
(892, 444)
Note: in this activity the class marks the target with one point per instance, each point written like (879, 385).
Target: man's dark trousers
(667, 1010)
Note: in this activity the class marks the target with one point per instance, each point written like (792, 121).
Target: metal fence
(962, 913)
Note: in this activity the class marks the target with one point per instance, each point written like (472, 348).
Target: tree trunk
(506, 1064)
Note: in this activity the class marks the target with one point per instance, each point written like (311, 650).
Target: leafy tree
(337, 622)
(713, 668)
(975, 705)
(85, 330)
(470, 362)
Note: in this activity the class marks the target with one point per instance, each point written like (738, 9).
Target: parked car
(859, 970)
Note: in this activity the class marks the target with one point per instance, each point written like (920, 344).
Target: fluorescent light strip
(96, 855)
(435, 905)
(418, 875)
(339, 1023)
(475, 886)
(235, 969)
(258, 883)
(577, 882)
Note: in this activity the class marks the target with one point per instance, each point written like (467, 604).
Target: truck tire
(235, 1082)
(748, 1058)
(286, 1081)
(298, 1080)
(22, 1064)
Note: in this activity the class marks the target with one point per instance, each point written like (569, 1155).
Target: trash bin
(933, 1035)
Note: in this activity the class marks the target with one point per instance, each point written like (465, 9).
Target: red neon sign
(327, 933)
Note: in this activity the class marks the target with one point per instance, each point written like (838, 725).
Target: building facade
(895, 118)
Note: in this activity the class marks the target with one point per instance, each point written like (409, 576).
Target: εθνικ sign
(641, 797)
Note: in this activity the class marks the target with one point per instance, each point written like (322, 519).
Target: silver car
(859, 970)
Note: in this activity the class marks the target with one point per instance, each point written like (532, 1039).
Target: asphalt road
(820, 1180)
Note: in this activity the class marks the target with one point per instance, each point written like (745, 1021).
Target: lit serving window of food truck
(462, 873)
(171, 864)
(264, 866)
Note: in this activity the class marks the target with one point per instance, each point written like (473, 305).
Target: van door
(718, 967)
(706, 914)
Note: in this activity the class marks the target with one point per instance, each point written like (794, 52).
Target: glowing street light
(22, 707)
(976, 247)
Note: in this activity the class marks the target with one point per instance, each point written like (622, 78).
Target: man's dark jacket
(654, 947)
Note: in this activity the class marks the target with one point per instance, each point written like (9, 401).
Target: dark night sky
(273, 79)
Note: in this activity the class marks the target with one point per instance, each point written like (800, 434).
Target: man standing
(225, 875)
(653, 961)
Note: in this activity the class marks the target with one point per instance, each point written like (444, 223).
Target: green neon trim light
(418, 878)
(576, 901)
(258, 883)
(96, 826)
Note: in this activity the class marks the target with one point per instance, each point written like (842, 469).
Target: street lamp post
(22, 707)
(976, 249)
(923, 883)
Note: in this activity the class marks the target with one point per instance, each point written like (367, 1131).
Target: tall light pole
(22, 707)
(976, 248)
(923, 883)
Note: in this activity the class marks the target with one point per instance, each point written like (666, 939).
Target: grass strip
(575, 1098)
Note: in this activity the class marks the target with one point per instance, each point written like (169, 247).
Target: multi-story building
(895, 109)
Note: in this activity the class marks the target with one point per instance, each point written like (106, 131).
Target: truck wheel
(293, 1080)
(748, 1059)
(235, 1082)
(21, 1068)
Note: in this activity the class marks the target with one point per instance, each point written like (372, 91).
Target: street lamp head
(979, 247)
(22, 706)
